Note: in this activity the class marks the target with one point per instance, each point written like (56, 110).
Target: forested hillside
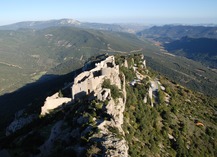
(27, 54)
(175, 32)
(161, 118)
(203, 50)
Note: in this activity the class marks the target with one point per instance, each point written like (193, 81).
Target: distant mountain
(174, 32)
(201, 49)
(195, 42)
(61, 23)
(41, 24)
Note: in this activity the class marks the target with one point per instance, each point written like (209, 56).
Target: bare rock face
(119, 146)
(88, 82)
(125, 63)
(46, 148)
(19, 123)
(112, 132)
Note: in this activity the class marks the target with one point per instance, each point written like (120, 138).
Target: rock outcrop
(19, 123)
(115, 142)
(109, 114)
(92, 118)
(111, 132)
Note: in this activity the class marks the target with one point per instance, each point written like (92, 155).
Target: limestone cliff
(117, 108)
(114, 142)
(111, 133)
(91, 121)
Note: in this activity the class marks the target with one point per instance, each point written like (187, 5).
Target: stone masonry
(89, 82)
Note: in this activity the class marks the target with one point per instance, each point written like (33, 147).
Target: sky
(111, 11)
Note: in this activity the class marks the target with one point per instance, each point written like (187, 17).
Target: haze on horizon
(112, 11)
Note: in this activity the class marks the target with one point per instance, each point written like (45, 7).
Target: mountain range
(74, 23)
(167, 33)
(34, 49)
(137, 102)
(194, 42)
(203, 50)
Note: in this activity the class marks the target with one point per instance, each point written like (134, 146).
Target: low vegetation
(174, 32)
(78, 124)
(183, 125)
(26, 53)
(201, 49)
(186, 126)
(115, 91)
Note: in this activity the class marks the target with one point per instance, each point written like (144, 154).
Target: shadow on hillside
(36, 93)
(10, 103)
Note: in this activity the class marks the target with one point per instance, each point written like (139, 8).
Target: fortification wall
(79, 88)
(53, 102)
(81, 76)
(97, 81)
(90, 81)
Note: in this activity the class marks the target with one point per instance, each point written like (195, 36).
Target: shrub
(129, 74)
(115, 91)
(93, 151)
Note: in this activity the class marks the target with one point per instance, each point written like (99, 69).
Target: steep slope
(194, 42)
(28, 54)
(174, 32)
(139, 110)
(203, 50)
(179, 123)
(86, 125)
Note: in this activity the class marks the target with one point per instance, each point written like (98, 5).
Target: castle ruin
(90, 82)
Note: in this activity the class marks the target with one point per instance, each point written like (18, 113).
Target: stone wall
(53, 102)
(90, 81)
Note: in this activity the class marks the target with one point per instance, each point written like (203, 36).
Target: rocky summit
(115, 107)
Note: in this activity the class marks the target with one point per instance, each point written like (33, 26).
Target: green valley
(27, 54)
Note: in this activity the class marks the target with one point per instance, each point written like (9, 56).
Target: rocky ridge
(111, 133)
(88, 123)
(118, 108)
